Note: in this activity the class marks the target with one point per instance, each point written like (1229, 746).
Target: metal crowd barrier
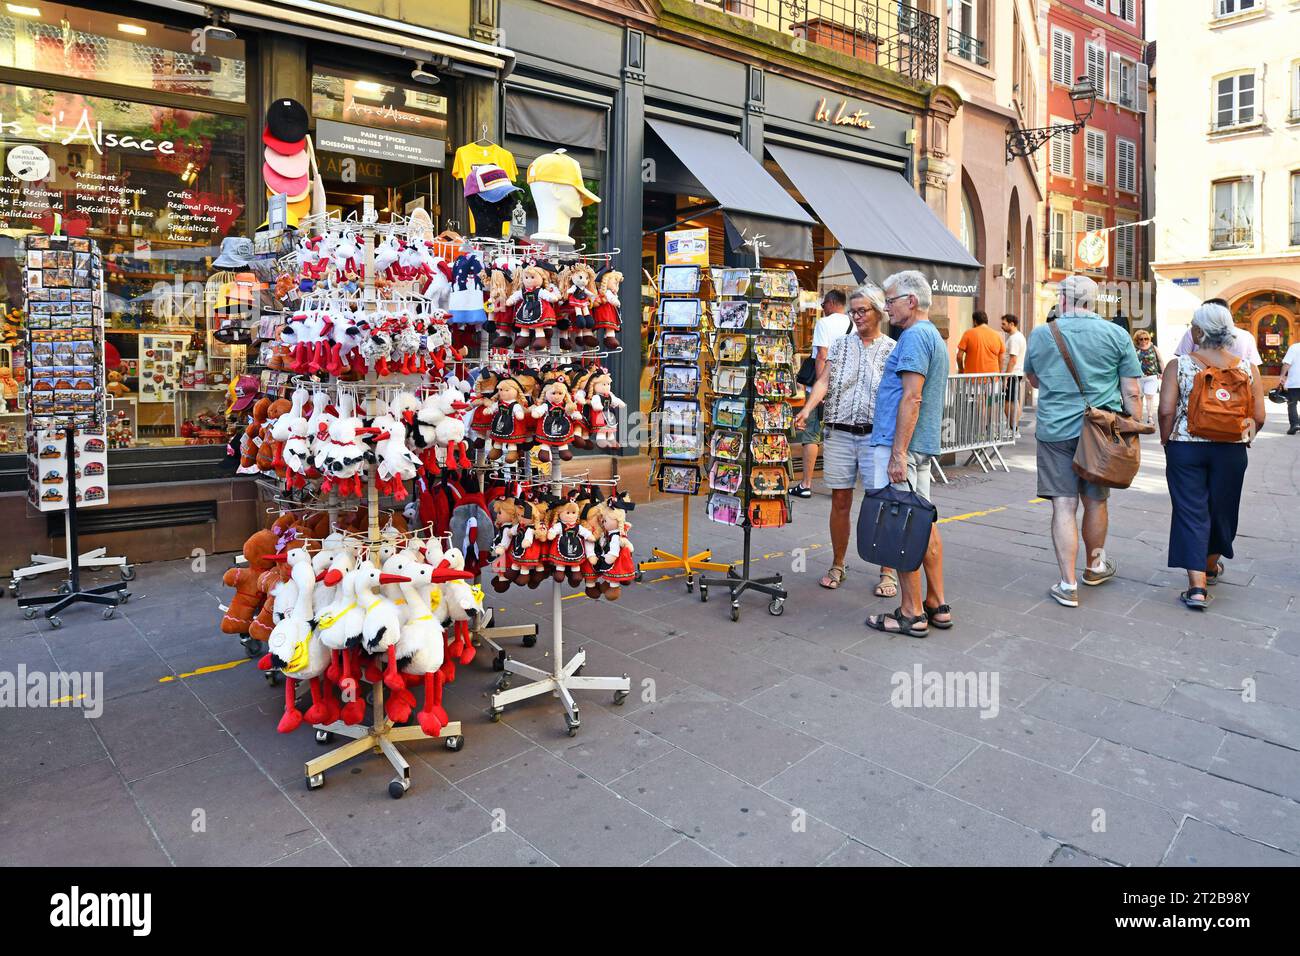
(976, 420)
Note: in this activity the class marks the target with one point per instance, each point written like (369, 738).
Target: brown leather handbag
(1109, 452)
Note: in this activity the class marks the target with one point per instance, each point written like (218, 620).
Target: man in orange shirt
(980, 349)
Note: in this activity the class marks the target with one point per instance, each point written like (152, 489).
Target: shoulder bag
(1109, 452)
(894, 528)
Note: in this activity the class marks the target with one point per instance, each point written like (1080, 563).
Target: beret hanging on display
(292, 166)
(281, 184)
(286, 122)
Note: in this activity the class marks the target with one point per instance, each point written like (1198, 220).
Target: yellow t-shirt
(471, 155)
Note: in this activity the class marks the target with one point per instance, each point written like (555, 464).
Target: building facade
(1095, 180)
(1228, 177)
(992, 59)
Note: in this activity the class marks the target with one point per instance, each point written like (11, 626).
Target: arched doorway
(1011, 292)
(1028, 283)
(1274, 319)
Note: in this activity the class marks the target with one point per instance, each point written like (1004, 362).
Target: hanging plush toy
(249, 596)
(529, 549)
(566, 551)
(581, 298)
(534, 314)
(510, 421)
(555, 414)
(507, 515)
(498, 293)
(466, 299)
(608, 319)
(590, 528)
(615, 563)
(603, 409)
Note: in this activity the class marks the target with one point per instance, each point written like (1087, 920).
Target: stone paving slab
(1199, 844)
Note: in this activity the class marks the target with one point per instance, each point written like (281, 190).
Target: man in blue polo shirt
(1109, 369)
(907, 433)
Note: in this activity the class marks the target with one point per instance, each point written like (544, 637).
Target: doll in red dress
(556, 414)
(567, 551)
(615, 563)
(608, 319)
(511, 426)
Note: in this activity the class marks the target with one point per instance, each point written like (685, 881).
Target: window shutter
(1115, 86)
(1114, 7)
(1142, 87)
(1080, 225)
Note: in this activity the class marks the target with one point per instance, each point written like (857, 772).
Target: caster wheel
(455, 742)
(128, 573)
(324, 736)
(704, 593)
(30, 612)
(530, 640)
(13, 584)
(253, 648)
(316, 782)
(690, 586)
(735, 612)
(494, 715)
(571, 725)
(274, 678)
(109, 612)
(637, 577)
(619, 697)
(503, 683)
(777, 607)
(56, 622)
(499, 662)
(124, 596)
(397, 788)
(63, 588)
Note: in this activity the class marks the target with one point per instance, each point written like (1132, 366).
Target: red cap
(280, 146)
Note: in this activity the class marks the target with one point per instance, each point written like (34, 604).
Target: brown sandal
(888, 586)
(835, 579)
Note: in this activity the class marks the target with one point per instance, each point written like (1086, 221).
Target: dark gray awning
(563, 122)
(752, 201)
(880, 221)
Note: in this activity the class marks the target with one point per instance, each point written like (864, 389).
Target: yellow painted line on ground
(1036, 501)
(210, 669)
(68, 700)
(969, 515)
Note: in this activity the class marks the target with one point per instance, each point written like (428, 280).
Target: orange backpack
(1221, 405)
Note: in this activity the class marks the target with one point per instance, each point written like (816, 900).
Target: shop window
(70, 43)
(400, 174)
(157, 188)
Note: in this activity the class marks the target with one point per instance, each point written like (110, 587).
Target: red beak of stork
(331, 577)
(441, 575)
(281, 557)
(394, 579)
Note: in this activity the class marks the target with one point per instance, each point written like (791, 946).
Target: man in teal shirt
(1109, 369)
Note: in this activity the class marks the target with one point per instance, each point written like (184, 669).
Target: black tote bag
(894, 528)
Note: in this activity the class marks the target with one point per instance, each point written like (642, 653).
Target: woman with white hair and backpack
(1211, 406)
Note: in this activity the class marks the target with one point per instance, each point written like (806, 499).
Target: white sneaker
(1064, 597)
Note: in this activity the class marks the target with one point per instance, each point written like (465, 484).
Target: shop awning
(311, 19)
(751, 200)
(879, 220)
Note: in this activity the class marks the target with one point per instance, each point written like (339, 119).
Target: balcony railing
(967, 47)
(1295, 233)
(1058, 258)
(894, 35)
(1234, 237)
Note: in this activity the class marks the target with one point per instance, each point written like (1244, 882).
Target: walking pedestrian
(1205, 475)
(1015, 369)
(908, 426)
(1109, 369)
(1243, 343)
(834, 324)
(1290, 379)
(1152, 370)
(845, 390)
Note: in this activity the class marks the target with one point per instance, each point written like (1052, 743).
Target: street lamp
(1083, 99)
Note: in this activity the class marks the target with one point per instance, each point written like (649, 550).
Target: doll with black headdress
(567, 549)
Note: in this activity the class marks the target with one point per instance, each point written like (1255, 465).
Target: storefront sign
(83, 130)
(840, 115)
(391, 145)
(687, 247)
(1092, 251)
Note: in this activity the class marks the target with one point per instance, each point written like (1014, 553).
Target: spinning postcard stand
(749, 451)
(676, 352)
(63, 284)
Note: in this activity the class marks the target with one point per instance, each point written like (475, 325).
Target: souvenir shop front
(704, 152)
(141, 127)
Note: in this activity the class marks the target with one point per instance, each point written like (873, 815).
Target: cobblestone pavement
(1128, 731)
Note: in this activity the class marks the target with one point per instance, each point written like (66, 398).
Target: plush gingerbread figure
(251, 440)
(249, 596)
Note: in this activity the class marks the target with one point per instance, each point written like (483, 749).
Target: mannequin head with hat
(559, 193)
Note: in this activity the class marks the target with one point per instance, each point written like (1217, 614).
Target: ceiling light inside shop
(132, 29)
(369, 86)
(21, 11)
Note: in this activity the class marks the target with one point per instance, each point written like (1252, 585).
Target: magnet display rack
(749, 453)
(672, 473)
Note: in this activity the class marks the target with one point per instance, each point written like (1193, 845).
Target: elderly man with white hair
(1110, 373)
(906, 435)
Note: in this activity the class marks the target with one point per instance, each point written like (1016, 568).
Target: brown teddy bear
(116, 387)
(249, 596)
